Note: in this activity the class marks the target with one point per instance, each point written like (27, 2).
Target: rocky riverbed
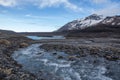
(97, 51)
(88, 59)
(9, 68)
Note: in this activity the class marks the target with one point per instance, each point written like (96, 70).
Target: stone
(23, 45)
(2, 76)
(60, 57)
(112, 58)
(54, 53)
(72, 58)
(5, 42)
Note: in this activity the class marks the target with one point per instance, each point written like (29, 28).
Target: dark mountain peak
(94, 17)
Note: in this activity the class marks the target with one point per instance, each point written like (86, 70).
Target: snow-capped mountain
(89, 21)
(115, 20)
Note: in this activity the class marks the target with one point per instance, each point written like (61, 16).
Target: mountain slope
(92, 20)
(82, 23)
(96, 32)
(113, 20)
(103, 27)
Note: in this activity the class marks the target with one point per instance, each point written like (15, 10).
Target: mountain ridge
(92, 20)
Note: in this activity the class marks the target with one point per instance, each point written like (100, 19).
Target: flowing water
(35, 60)
(51, 37)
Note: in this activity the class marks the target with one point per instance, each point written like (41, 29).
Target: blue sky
(50, 15)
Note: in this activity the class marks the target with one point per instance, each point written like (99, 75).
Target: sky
(50, 15)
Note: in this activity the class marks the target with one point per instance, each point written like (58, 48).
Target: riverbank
(97, 51)
(9, 68)
(107, 48)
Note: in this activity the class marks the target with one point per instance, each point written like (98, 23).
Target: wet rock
(54, 53)
(96, 62)
(108, 67)
(60, 57)
(109, 73)
(23, 45)
(39, 53)
(111, 58)
(2, 76)
(72, 58)
(83, 55)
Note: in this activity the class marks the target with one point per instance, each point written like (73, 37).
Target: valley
(89, 53)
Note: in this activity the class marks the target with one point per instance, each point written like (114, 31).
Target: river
(54, 67)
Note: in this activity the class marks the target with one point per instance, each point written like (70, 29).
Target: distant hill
(7, 33)
(42, 33)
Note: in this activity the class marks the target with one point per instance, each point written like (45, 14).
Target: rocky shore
(109, 48)
(108, 52)
(101, 50)
(9, 68)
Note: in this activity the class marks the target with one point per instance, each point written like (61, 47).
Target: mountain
(90, 21)
(93, 26)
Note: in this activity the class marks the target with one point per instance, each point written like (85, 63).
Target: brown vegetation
(5, 42)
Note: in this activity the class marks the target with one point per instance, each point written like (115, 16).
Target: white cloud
(45, 17)
(110, 10)
(8, 3)
(108, 7)
(41, 3)
(100, 1)
(51, 3)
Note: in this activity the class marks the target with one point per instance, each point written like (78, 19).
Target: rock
(94, 51)
(5, 42)
(2, 76)
(111, 58)
(24, 75)
(72, 58)
(60, 57)
(83, 55)
(7, 71)
(95, 61)
(39, 53)
(54, 53)
(23, 45)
